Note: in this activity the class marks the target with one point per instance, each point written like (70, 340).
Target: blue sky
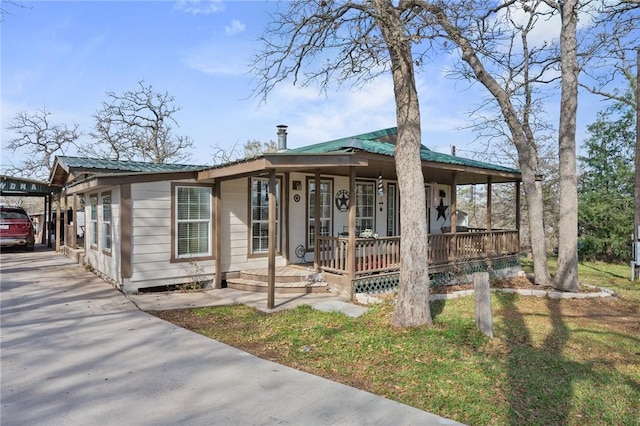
(65, 55)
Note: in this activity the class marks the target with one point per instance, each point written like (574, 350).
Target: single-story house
(330, 209)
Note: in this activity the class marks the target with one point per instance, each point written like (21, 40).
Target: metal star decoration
(342, 200)
(442, 210)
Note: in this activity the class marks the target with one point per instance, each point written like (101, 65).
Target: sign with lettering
(17, 186)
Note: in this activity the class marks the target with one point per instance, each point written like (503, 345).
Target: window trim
(107, 251)
(250, 252)
(371, 183)
(94, 232)
(310, 180)
(174, 224)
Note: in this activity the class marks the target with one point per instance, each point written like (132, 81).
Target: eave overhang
(95, 182)
(282, 162)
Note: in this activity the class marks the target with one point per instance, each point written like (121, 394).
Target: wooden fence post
(484, 320)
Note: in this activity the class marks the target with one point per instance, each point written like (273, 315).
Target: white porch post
(271, 281)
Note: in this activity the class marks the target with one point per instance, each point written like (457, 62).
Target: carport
(20, 187)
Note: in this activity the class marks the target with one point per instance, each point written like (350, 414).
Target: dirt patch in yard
(616, 314)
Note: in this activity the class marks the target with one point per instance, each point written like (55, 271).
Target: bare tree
(567, 273)
(615, 52)
(495, 47)
(360, 41)
(616, 23)
(6, 5)
(250, 149)
(138, 125)
(365, 39)
(255, 148)
(490, 56)
(39, 140)
(636, 190)
(226, 154)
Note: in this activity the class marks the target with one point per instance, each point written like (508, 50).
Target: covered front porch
(378, 255)
(326, 204)
(377, 263)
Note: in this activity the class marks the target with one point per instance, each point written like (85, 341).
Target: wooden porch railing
(383, 254)
(465, 246)
(377, 255)
(372, 255)
(332, 254)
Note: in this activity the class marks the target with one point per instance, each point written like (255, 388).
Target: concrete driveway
(77, 352)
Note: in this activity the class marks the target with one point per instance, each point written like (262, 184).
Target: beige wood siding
(236, 227)
(151, 263)
(108, 265)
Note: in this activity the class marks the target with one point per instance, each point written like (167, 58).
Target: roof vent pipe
(282, 137)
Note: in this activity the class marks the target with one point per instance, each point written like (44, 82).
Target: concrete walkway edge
(74, 351)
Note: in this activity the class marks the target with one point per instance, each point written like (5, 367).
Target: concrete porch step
(283, 274)
(281, 287)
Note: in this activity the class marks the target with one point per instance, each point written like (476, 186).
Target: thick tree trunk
(636, 190)
(533, 190)
(412, 307)
(567, 274)
(525, 145)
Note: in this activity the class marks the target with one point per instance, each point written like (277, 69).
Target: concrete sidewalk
(77, 352)
(226, 296)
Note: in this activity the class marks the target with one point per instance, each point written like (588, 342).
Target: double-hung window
(326, 208)
(193, 221)
(365, 206)
(106, 222)
(260, 215)
(93, 221)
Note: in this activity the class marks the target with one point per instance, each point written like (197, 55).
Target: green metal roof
(349, 144)
(383, 142)
(126, 166)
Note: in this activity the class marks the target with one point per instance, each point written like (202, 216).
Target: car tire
(30, 247)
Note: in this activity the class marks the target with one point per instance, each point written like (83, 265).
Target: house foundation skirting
(451, 274)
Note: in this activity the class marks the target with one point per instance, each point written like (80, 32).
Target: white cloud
(313, 117)
(214, 59)
(199, 7)
(547, 27)
(235, 27)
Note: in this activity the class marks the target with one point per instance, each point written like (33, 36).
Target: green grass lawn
(568, 362)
